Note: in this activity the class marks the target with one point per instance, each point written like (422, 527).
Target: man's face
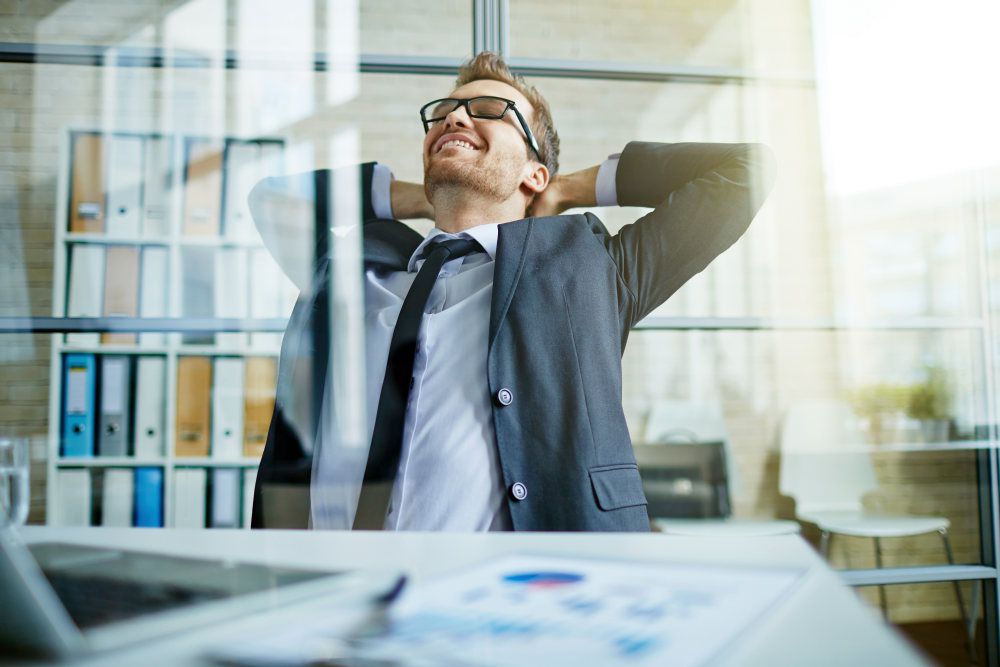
(498, 159)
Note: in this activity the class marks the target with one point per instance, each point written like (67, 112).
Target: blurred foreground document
(553, 611)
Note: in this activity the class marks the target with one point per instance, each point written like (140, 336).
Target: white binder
(72, 498)
(153, 291)
(157, 187)
(231, 300)
(151, 375)
(243, 170)
(227, 408)
(225, 498)
(249, 481)
(118, 498)
(189, 497)
(124, 179)
(273, 296)
(86, 288)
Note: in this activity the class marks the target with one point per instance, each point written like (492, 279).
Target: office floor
(944, 642)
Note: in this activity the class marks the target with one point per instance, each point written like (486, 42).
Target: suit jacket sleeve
(704, 197)
(300, 206)
(286, 210)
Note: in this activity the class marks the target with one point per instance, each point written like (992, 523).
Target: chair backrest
(685, 421)
(677, 422)
(824, 464)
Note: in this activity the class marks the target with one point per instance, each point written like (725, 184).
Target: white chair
(827, 470)
(727, 527)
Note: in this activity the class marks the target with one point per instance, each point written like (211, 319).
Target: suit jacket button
(505, 397)
(518, 491)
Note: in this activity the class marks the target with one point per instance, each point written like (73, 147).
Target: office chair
(693, 436)
(826, 469)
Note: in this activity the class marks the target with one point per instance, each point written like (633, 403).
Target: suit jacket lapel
(512, 249)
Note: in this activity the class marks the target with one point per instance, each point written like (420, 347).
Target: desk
(821, 623)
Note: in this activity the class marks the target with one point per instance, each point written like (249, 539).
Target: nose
(458, 117)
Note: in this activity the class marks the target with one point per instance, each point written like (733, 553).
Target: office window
(763, 37)
(865, 294)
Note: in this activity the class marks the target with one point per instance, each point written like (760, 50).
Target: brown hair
(488, 65)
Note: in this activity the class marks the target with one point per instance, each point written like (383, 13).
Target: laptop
(62, 600)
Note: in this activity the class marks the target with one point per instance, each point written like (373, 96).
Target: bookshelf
(175, 203)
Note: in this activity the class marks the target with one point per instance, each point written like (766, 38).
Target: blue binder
(79, 410)
(149, 497)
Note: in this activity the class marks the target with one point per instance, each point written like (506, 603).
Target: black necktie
(387, 436)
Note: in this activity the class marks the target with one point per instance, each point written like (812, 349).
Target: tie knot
(456, 247)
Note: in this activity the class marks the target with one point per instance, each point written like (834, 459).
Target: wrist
(580, 189)
(409, 201)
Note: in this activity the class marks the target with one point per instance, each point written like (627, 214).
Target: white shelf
(171, 346)
(104, 239)
(212, 351)
(130, 462)
(218, 242)
(158, 350)
(209, 462)
(107, 462)
(179, 349)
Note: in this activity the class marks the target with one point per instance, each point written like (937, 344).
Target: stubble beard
(493, 176)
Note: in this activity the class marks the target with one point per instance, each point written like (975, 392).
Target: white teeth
(457, 142)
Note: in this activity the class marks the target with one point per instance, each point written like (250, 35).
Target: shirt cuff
(381, 195)
(606, 186)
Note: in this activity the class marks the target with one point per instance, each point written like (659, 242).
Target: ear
(535, 178)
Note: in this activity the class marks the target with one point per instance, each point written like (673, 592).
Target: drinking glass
(14, 496)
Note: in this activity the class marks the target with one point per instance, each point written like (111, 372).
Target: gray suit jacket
(566, 293)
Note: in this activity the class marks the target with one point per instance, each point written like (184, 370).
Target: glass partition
(840, 357)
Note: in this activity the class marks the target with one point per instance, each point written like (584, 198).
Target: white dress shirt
(449, 472)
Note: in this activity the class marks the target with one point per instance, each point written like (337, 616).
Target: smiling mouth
(457, 143)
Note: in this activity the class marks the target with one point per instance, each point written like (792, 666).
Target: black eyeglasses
(486, 106)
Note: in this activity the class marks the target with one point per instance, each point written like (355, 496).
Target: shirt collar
(486, 235)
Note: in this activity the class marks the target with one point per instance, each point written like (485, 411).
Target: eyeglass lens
(479, 107)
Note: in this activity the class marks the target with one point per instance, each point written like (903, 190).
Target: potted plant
(880, 406)
(930, 403)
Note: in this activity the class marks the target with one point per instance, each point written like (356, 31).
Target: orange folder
(121, 289)
(260, 380)
(86, 212)
(194, 387)
(202, 189)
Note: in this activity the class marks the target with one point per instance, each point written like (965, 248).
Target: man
(499, 386)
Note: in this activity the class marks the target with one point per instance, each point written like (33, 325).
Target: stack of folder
(224, 406)
(213, 497)
(116, 281)
(121, 184)
(128, 497)
(113, 405)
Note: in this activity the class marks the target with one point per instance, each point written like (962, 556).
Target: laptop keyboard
(93, 601)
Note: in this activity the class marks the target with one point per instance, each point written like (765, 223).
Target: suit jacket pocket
(617, 486)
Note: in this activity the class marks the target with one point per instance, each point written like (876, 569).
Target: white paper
(552, 611)
(76, 391)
